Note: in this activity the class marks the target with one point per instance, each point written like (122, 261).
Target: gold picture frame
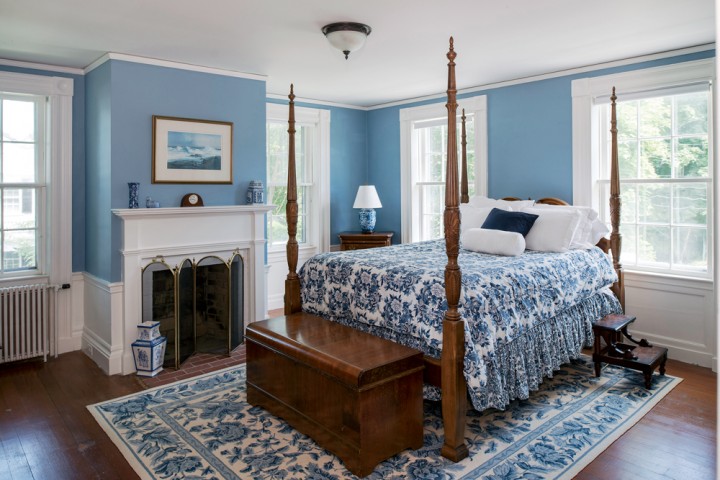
(187, 150)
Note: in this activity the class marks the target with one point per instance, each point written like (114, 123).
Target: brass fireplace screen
(199, 305)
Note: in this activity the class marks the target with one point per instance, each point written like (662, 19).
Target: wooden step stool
(642, 356)
(357, 395)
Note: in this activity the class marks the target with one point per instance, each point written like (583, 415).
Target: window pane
(654, 246)
(18, 163)
(691, 157)
(690, 204)
(15, 206)
(627, 159)
(627, 120)
(654, 203)
(470, 150)
(655, 117)
(277, 221)
(303, 195)
(433, 205)
(19, 249)
(628, 200)
(432, 153)
(655, 158)
(629, 244)
(303, 154)
(277, 155)
(690, 248)
(18, 121)
(692, 113)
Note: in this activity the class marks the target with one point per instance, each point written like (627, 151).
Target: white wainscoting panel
(677, 313)
(103, 313)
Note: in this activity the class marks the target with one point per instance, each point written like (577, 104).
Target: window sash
(671, 235)
(429, 177)
(22, 228)
(305, 152)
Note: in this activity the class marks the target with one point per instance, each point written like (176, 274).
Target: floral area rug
(202, 428)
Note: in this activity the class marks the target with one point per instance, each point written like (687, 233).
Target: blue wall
(122, 98)
(529, 140)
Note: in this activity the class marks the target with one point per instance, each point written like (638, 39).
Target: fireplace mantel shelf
(184, 211)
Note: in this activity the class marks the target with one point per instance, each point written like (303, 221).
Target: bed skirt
(518, 367)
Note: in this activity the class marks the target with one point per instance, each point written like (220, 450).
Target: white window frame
(588, 142)
(475, 107)
(318, 207)
(55, 262)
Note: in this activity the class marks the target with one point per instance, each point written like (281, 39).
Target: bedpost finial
(292, 94)
(451, 53)
(613, 97)
(463, 113)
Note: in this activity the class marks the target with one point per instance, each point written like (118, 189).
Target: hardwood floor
(47, 433)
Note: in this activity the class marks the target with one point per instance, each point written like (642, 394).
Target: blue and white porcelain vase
(367, 220)
(134, 201)
(149, 349)
(255, 192)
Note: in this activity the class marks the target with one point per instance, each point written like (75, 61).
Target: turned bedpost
(292, 283)
(615, 204)
(464, 193)
(454, 389)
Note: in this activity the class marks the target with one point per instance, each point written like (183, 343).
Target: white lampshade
(367, 197)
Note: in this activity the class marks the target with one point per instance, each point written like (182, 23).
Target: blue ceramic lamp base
(367, 220)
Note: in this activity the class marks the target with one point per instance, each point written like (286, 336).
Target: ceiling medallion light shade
(346, 36)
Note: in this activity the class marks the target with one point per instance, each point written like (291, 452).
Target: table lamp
(367, 201)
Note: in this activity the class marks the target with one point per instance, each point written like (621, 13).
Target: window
(36, 180)
(22, 182)
(277, 172)
(424, 153)
(665, 167)
(310, 156)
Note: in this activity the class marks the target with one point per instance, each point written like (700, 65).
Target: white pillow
(496, 242)
(474, 217)
(482, 201)
(553, 230)
(589, 231)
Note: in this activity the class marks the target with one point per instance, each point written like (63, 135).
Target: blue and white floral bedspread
(524, 316)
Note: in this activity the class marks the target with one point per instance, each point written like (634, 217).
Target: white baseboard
(687, 352)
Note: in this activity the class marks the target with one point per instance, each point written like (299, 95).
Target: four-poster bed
(461, 359)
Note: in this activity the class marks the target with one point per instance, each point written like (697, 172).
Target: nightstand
(359, 240)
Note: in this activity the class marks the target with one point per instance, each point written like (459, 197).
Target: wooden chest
(357, 395)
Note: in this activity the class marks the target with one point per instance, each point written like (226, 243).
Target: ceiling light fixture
(346, 36)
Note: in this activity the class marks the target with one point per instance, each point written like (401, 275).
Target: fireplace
(206, 266)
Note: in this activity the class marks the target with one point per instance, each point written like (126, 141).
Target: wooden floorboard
(46, 431)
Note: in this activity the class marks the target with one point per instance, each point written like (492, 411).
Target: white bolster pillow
(496, 242)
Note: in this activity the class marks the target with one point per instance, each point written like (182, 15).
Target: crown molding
(559, 73)
(41, 66)
(169, 64)
(275, 96)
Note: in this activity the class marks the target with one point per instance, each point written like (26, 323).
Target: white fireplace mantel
(183, 233)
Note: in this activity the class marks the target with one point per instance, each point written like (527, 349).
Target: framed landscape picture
(191, 151)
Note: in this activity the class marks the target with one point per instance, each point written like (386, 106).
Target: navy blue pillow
(519, 222)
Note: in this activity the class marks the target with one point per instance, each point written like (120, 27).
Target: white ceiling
(404, 57)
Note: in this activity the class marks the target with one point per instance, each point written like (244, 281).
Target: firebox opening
(199, 305)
